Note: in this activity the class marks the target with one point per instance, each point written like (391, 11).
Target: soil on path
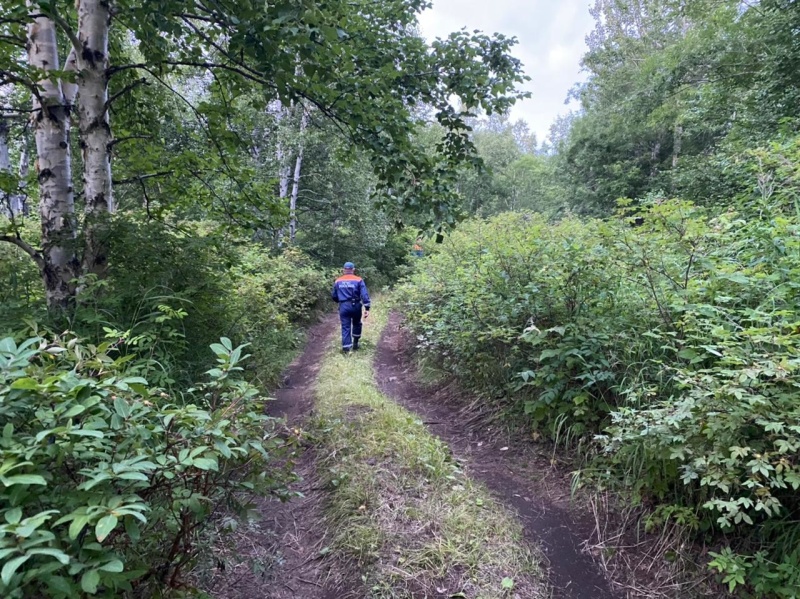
(282, 556)
(520, 479)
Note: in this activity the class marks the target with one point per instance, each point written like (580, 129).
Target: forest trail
(285, 555)
(514, 476)
(280, 556)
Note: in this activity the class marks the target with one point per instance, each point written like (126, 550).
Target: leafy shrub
(21, 289)
(106, 481)
(665, 339)
(171, 292)
(270, 298)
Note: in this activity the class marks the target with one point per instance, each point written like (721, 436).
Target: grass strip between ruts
(401, 511)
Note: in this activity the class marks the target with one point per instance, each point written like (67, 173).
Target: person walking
(350, 292)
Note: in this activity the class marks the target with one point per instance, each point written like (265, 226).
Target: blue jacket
(350, 289)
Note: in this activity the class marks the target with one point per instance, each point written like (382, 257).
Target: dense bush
(108, 482)
(270, 297)
(665, 339)
(112, 462)
(173, 290)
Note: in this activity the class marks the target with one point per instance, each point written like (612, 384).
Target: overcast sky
(551, 43)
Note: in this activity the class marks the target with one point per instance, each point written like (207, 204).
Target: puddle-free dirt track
(294, 531)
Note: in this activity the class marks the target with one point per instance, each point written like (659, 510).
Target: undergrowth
(401, 509)
(661, 343)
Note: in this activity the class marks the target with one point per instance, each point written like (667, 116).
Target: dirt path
(283, 555)
(516, 477)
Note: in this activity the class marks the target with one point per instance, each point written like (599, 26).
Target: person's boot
(355, 344)
(347, 350)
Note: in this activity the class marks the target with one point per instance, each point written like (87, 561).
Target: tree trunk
(95, 133)
(5, 167)
(284, 170)
(296, 181)
(677, 142)
(51, 115)
(12, 204)
(19, 201)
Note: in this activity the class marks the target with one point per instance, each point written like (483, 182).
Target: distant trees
(672, 85)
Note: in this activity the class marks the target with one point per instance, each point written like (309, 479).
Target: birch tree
(52, 108)
(358, 63)
(298, 165)
(91, 45)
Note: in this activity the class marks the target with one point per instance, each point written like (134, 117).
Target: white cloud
(551, 44)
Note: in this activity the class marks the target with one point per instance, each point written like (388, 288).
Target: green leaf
(23, 479)
(10, 568)
(205, 464)
(113, 566)
(14, 515)
(4, 553)
(104, 527)
(25, 383)
(121, 407)
(222, 448)
(133, 475)
(52, 552)
(77, 525)
(89, 581)
(507, 583)
(74, 411)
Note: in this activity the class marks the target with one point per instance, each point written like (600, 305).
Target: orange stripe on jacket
(348, 278)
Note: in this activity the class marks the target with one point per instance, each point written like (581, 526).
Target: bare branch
(139, 178)
(70, 33)
(124, 67)
(25, 247)
(70, 88)
(125, 90)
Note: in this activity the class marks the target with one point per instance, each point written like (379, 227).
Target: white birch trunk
(296, 180)
(677, 142)
(18, 201)
(284, 170)
(5, 167)
(95, 133)
(51, 132)
(11, 204)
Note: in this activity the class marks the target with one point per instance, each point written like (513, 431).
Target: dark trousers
(350, 315)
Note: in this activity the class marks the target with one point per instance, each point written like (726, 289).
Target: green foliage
(664, 341)
(173, 289)
(675, 91)
(108, 482)
(21, 292)
(271, 297)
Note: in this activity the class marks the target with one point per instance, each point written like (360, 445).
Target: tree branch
(70, 33)
(7, 77)
(138, 178)
(124, 67)
(25, 247)
(13, 40)
(125, 90)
